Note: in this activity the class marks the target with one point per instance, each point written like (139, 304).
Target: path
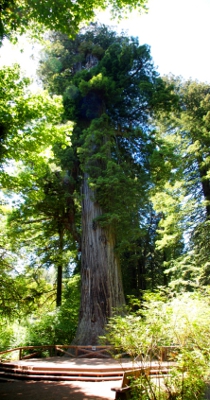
(74, 390)
(30, 390)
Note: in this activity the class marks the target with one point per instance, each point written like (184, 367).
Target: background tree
(142, 261)
(30, 124)
(183, 194)
(43, 222)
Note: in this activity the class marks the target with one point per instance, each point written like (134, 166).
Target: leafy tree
(196, 156)
(64, 16)
(30, 125)
(141, 261)
(20, 290)
(43, 222)
(195, 133)
(182, 191)
(109, 85)
(12, 89)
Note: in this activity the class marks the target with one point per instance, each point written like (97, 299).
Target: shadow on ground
(25, 390)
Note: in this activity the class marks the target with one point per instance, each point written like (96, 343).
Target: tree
(196, 158)
(17, 16)
(42, 223)
(30, 125)
(21, 290)
(182, 191)
(167, 195)
(141, 261)
(195, 131)
(109, 85)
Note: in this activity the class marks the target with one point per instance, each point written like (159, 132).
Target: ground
(75, 390)
(63, 390)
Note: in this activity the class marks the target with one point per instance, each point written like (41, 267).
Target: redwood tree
(109, 89)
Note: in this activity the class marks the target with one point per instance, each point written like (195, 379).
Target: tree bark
(59, 270)
(205, 183)
(59, 286)
(102, 289)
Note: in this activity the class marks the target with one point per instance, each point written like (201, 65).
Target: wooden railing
(36, 351)
(26, 352)
(164, 353)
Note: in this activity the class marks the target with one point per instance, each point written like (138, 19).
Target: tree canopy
(181, 194)
(17, 16)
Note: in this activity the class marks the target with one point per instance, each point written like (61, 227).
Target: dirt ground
(75, 390)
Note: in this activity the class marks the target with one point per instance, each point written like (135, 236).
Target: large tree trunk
(102, 288)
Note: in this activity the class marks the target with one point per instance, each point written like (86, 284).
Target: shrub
(45, 326)
(57, 326)
(161, 320)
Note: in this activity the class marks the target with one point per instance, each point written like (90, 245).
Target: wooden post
(20, 354)
(76, 351)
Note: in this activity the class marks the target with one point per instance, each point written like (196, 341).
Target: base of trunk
(101, 281)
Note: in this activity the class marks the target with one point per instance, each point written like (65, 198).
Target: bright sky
(178, 32)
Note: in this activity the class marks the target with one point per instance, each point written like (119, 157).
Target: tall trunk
(59, 285)
(59, 271)
(205, 182)
(102, 288)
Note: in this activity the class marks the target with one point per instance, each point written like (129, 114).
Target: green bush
(6, 335)
(174, 320)
(45, 326)
(58, 326)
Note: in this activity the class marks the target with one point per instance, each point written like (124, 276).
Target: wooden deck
(71, 369)
(66, 363)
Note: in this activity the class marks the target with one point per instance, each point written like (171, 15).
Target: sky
(178, 32)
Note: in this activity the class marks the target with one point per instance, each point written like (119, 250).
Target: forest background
(156, 181)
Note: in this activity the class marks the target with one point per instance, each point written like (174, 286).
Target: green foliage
(180, 385)
(108, 84)
(181, 192)
(164, 319)
(19, 291)
(21, 295)
(6, 335)
(17, 16)
(30, 123)
(45, 324)
(195, 132)
(12, 335)
(11, 89)
(59, 325)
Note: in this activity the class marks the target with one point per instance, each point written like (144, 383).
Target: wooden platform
(71, 369)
